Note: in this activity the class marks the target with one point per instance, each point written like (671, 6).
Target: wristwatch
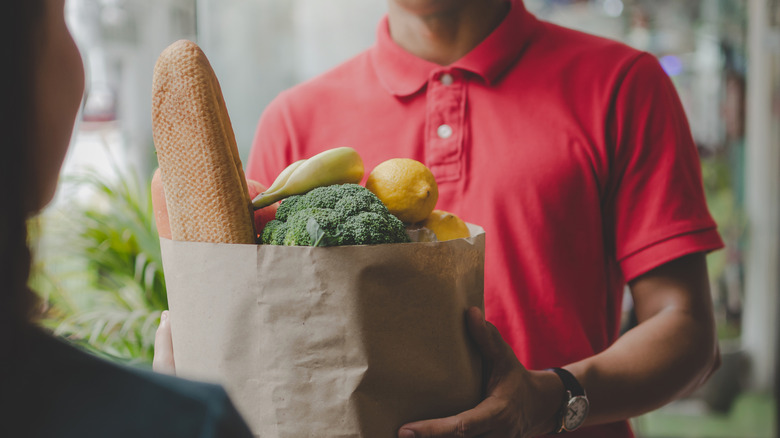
(575, 408)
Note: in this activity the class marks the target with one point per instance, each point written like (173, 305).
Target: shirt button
(446, 79)
(444, 131)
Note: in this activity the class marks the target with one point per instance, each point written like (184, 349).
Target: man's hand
(163, 347)
(519, 403)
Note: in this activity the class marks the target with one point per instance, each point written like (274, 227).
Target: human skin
(163, 347)
(442, 31)
(671, 351)
(59, 87)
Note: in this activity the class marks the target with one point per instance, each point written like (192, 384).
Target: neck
(443, 35)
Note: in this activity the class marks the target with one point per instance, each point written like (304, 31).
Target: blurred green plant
(721, 177)
(98, 267)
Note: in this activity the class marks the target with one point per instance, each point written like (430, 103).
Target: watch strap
(570, 382)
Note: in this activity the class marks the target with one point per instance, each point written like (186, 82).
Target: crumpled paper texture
(347, 341)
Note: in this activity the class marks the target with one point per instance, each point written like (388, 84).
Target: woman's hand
(519, 403)
(163, 347)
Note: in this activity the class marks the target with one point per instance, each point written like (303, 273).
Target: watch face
(576, 411)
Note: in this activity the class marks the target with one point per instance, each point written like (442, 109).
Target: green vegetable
(299, 226)
(370, 227)
(274, 232)
(341, 214)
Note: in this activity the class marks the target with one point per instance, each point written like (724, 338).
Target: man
(574, 154)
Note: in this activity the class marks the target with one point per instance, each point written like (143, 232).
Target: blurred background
(98, 265)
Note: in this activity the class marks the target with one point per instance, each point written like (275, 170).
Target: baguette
(203, 179)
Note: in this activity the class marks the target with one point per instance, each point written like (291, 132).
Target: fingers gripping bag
(339, 341)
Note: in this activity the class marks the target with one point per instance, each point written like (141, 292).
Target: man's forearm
(651, 365)
(671, 351)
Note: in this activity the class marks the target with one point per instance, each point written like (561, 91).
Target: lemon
(446, 225)
(406, 187)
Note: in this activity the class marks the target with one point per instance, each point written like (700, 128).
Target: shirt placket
(445, 124)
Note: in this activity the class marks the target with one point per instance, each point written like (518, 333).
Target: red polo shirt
(572, 151)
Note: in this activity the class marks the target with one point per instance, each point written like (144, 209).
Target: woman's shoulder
(64, 392)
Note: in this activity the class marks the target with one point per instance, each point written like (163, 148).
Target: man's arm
(669, 353)
(672, 351)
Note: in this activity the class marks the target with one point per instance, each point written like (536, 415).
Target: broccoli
(349, 199)
(301, 231)
(274, 232)
(345, 214)
(359, 202)
(288, 207)
(369, 227)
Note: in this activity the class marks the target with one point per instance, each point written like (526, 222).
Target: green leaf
(99, 268)
(319, 237)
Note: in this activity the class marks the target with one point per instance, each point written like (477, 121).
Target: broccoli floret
(368, 228)
(274, 232)
(359, 201)
(320, 197)
(345, 214)
(397, 229)
(313, 227)
(289, 207)
(327, 196)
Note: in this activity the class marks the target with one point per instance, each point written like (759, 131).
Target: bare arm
(671, 351)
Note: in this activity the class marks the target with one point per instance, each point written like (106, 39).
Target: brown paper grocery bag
(349, 341)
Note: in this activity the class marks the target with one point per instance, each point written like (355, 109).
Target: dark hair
(20, 27)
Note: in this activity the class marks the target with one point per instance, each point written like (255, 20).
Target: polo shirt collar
(403, 74)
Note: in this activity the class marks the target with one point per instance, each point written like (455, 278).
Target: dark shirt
(49, 388)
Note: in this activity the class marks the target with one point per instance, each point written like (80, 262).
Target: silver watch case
(575, 412)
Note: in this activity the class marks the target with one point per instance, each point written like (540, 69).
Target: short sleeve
(271, 148)
(656, 204)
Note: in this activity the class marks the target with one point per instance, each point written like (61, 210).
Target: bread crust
(203, 178)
